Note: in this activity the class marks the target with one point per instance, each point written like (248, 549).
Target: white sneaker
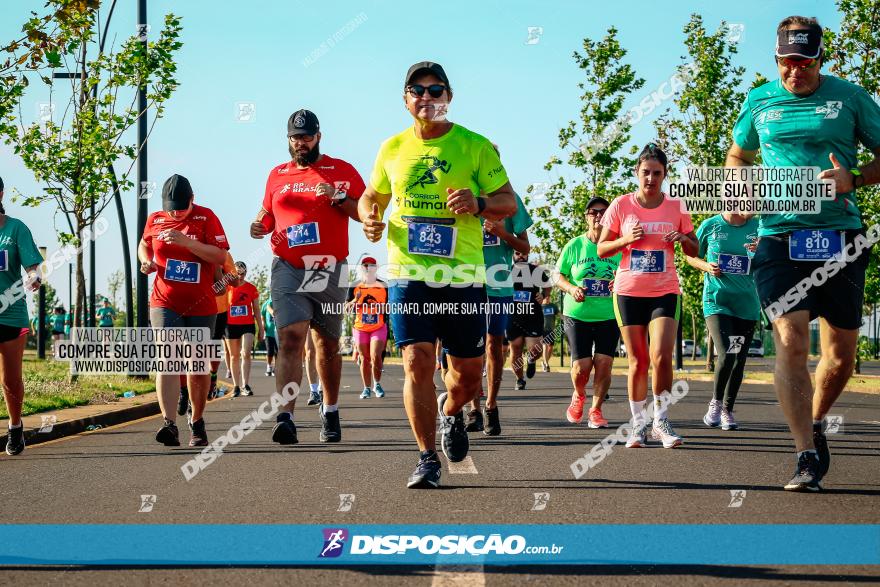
(638, 438)
(728, 422)
(713, 416)
(663, 431)
(268, 371)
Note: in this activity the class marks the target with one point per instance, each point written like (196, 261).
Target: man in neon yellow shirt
(433, 171)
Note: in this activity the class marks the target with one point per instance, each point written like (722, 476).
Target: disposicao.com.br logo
(403, 544)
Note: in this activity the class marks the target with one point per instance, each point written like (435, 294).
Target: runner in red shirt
(182, 244)
(306, 208)
(244, 320)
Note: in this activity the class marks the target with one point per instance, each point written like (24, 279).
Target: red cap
(368, 261)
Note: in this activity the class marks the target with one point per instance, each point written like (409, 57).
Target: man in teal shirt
(271, 342)
(806, 118)
(106, 315)
(500, 239)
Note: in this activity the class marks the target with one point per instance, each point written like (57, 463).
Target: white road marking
(449, 575)
(464, 467)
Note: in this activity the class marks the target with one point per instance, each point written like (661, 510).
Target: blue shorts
(462, 334)
(497, 321)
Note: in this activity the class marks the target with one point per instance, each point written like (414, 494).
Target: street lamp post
(41, 315)
(142, 171)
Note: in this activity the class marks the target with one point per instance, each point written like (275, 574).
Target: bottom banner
(269, 544)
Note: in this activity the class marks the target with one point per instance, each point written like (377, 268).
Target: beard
(308, 158)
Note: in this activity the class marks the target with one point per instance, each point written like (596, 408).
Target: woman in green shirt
(730, 305)
(17, 250)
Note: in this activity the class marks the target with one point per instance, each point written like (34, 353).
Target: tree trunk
(694, 334)
(80, 315)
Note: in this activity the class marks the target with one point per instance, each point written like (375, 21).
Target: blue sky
(517, 94)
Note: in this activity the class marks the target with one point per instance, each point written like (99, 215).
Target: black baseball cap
(804, 41)
(597, 200)
(426, 66)
(176, 193)
(303, 122)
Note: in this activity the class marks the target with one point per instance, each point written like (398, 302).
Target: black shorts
(587, 339)
(638, 311)
(271, 346)
(220, 325)
(8, 333)
(839, 299)
(236, 331)
(523, 323)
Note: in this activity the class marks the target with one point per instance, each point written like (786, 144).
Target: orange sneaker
(575, 411)
(595, 419)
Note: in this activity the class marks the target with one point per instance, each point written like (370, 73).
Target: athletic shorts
(236, 331)
(220, 325)
(839, 299)
(300, 295)
(167, 318)
(496, 322)
(361, 337)
(587, 339)
(271, 346)
(8, 333)
(61, 332)
(638, 311)
(462, 334)
(525, 325)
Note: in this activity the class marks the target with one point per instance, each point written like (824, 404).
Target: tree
(259, 276)
(700, 132)
(114, 283)
(75, 157)
(590, 146)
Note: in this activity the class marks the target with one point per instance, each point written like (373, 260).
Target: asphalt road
(98, 477)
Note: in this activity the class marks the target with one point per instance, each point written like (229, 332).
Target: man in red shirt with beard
(306, 208)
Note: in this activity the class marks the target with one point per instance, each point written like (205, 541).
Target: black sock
(428, 455)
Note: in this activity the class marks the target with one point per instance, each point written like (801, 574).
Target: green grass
(47, 387)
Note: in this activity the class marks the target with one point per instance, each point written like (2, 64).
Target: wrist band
(481, 206)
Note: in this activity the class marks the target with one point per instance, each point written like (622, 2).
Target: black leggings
(731, 360)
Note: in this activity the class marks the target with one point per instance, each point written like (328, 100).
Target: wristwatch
(481, 206)
(857, 173)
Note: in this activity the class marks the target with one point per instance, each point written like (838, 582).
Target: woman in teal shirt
(730, 305)
(17, 250)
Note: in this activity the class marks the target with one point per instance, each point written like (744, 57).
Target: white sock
(313, 386)
(638, 411)
(661, 407)
(20, 424)
(333, 408)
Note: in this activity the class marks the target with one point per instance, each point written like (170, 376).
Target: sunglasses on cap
(434, 90)
(798, 62)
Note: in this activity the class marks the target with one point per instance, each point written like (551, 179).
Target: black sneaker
(806, 476)
(247, 391)
(15, 441)
(236, 392)
(284, 431)
(183, 401)
(474, 421)
(330, 429)
(168, 434)
(314, 398)
(199, 436)
(821, 444)
(530, 369)
(520, 384)
(453, 438)
(427, 473)
(493, 423)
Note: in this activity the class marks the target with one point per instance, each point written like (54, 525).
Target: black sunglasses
(434, 90)
(595, 212)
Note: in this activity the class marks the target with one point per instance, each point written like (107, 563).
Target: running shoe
(236, 392)
(247, 391)
(493, 423)
(183, 401)
(728, 422)
(821, 444)
(806, 476)
(453, 438)
(663, 432)
(199, 435)
(427, 473)
(638, 438)
(575, 411)
(228, 373)
(168, 434)
(531, 366)
(365, 394)
(713, 415)
(545, 368)
(284, 431)
(377, 389)
(595, 419)
(520, 384)
(473, 422)
(268, 371)
(314, 398)
(15, 441)
(331, 431)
